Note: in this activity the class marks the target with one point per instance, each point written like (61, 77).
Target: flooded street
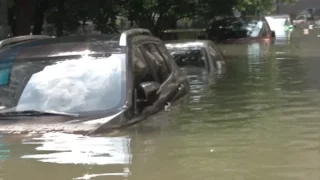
(257, 121)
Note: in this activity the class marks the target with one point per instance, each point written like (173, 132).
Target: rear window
(235, 28)
(188, 57)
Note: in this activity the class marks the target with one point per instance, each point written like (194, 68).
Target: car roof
(67, 39)
(246, 18)
(279, 16)
(225, 20)
(67, 44)
(187, 43)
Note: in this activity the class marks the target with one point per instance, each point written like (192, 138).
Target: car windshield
(188, 56)
(235, 28)
(82, 84)
(275, 23)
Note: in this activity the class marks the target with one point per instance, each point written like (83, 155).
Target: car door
(179, 77)
(141, 73)
(264, 33)
(158, 71)
(169, 80)
(216, 53)
(214, 57)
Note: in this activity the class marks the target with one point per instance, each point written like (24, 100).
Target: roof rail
(18, 39)
(136, 31)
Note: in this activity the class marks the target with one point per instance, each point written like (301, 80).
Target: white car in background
(281, 24)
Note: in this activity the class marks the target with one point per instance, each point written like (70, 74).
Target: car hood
(57, 124)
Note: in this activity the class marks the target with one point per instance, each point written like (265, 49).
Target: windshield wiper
(35, 113)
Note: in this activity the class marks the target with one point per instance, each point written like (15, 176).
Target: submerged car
(184, 34)
(86, 84)
(307, 17)
(240, 30)
(202, 54)
(281, 24)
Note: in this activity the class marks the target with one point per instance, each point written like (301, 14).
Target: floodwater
(260, 120)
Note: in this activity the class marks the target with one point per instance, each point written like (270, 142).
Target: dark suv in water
(240, 30)
(85, 83)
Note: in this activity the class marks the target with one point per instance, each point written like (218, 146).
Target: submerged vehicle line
(89, 83)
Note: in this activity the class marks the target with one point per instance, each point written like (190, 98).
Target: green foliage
(156, 15)
(261, 6)
(212, 8)
(62, 15)
(71, 14)
(104, 14)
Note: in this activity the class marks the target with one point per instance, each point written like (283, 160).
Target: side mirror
(147, 91)
(273, 34)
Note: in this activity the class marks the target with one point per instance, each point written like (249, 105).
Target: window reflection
(236, 28)
(67, 85)
(5, 73)
(189, 57)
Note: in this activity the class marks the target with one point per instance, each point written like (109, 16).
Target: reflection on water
(69, 149)
(259, 121)
(4, 151)
(4, 154)
(199, 81)
(77, 149)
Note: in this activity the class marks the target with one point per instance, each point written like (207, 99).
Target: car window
(82, 85)
(165, 54)
(141, 70)
(254, 29)
(212, 51)
(213, 54)
(235, 28)
(287, 22)
(185, 57)
(156, 61)
(264, 32)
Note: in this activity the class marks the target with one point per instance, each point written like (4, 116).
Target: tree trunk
(167, 22)
(83, 26)
(12, 20)
(61, 15)
(39, 16)
(24, 12)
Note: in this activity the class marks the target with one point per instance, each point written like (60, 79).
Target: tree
(207, 10)
(158, 15)
(62, 15)
(105, 14)
(253, 7)
(23, 13)
(39, 13)
(211, 8)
